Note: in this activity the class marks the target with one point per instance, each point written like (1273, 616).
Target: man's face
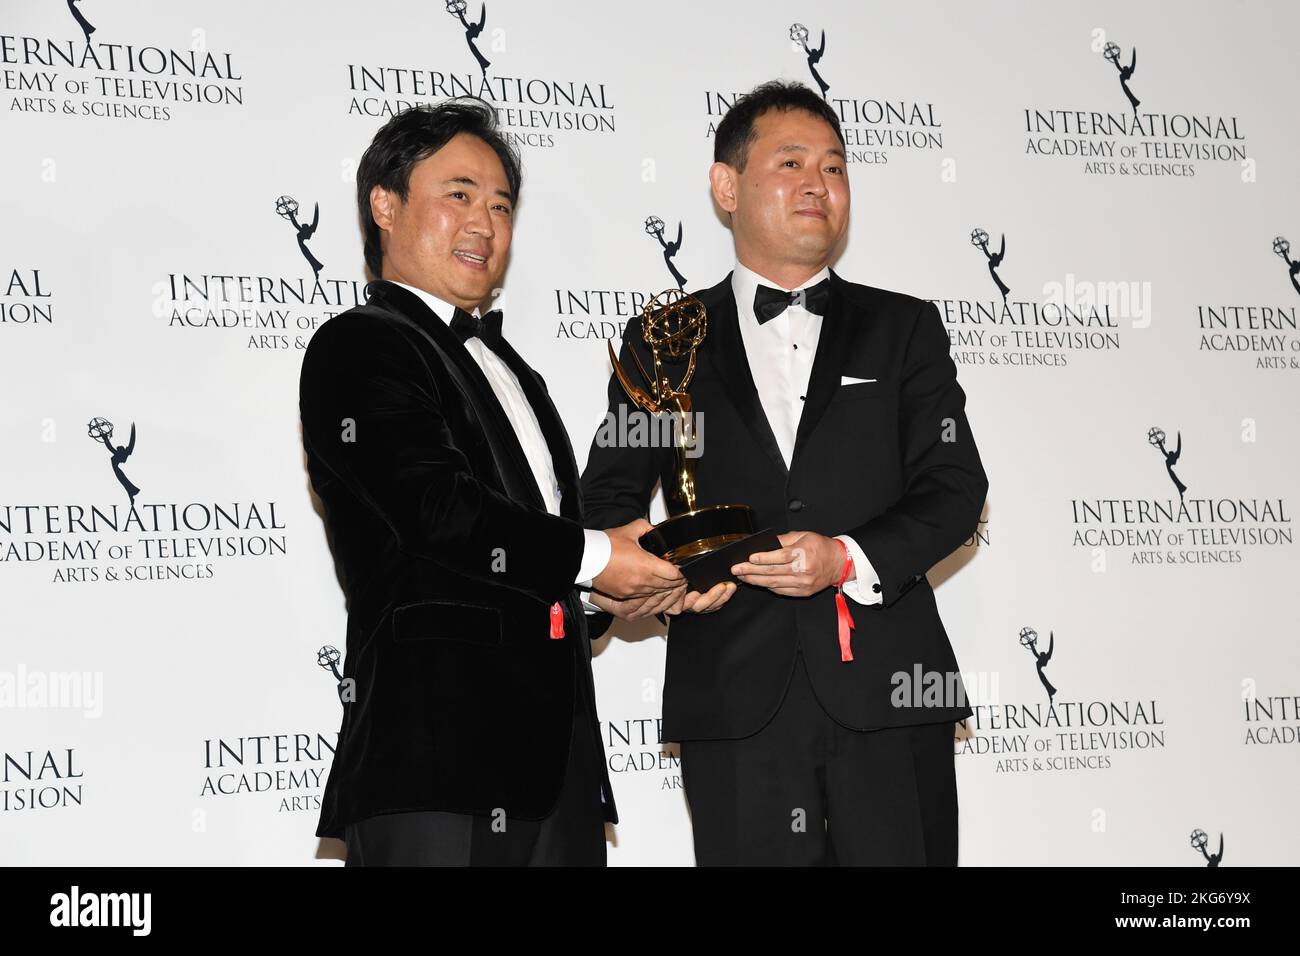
(452, 234)
(791, 204)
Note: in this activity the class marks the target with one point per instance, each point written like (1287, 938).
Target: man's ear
(722, 180)
(382, 207)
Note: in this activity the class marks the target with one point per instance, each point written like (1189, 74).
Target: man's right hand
(632, 571)
(672, 602)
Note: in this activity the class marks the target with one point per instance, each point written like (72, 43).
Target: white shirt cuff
(595, 556)
(865, 586)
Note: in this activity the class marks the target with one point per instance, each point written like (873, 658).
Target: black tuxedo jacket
(891, 463)
(450, 563)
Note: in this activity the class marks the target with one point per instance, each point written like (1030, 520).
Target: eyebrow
(796, 148)
(468, 181)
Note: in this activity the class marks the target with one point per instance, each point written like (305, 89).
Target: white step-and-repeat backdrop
(1097, 195)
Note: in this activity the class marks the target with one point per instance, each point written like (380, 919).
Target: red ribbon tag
(842, 607)
(557, 621)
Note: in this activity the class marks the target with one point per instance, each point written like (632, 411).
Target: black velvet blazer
(450, 563)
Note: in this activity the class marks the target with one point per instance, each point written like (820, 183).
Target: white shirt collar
(443, 310)
(745, 282)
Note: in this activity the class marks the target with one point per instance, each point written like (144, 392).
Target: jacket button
(796, 504)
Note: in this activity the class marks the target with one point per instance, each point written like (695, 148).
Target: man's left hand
(805, 563)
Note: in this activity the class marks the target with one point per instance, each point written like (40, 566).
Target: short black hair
(416, 134)
(736, 133)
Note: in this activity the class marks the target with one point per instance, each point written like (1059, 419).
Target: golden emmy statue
(703, 542)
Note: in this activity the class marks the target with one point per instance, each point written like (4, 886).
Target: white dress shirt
(523, 419)
(780, 353)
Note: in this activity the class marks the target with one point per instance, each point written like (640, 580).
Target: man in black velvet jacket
(815, 703)
(451, 496)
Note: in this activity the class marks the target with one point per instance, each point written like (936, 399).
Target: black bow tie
(487, 328)
(769, 302)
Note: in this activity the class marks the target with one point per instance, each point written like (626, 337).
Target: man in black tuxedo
(451, 496)
(812, 729)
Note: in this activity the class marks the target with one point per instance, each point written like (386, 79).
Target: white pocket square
(850, 380)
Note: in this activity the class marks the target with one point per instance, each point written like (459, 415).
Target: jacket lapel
(566, 470)
(726, 355)
(832, 351)
(553, 430)
(516, 475)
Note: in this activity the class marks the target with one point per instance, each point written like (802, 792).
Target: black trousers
(573, 834)
(806, 791)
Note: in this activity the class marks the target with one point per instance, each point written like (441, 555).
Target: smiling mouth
(472, 259)
(812, 212)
